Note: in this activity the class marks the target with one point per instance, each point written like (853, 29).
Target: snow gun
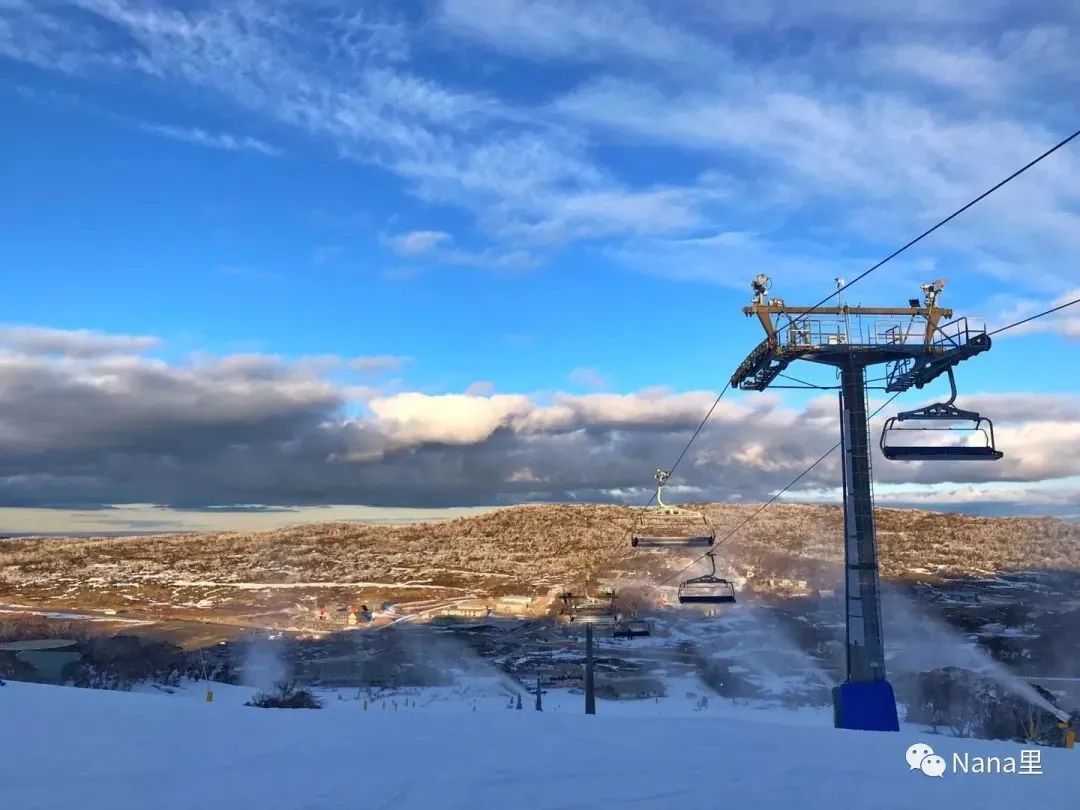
(1068, 729)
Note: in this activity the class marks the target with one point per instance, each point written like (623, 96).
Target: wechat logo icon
(921, 757)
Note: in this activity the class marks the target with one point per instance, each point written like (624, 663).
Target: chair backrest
(671, 522)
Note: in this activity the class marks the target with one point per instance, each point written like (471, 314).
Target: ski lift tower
(917, 347)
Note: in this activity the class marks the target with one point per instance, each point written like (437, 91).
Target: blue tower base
(867, 706)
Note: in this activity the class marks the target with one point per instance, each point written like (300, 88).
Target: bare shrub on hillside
(285, 696)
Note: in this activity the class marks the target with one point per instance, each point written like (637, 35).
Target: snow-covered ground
(460, 747)
(18, 610)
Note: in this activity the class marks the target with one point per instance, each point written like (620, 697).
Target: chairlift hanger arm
(661, 477)
(941, 410)
(706, 589)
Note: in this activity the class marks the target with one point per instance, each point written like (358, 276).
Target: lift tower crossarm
(766, 311)
(912, 339)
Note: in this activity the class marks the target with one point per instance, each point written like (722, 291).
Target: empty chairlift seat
(708, 589)
(662, 525)
(597, 610)
(944, 418)
(632, 628)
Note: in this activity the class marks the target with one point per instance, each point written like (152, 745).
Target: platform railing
(855, 330)
(957, 333)
(957, 339)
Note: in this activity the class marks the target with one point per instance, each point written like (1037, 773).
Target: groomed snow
(96, 750)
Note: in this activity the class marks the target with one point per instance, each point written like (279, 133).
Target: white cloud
(681, 128)
(576, 31)
(849, 157)
(1056, 497)
(838, 143)
(415, 418)
(732, 258)
(417, 243)
(505, 163)
(437, 247)
(232, 143)
(611, 212)
(957, 68)
(842, 15)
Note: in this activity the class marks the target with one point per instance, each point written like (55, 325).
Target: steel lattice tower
(917, 349)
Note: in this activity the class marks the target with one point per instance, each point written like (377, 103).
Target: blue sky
(532, 205)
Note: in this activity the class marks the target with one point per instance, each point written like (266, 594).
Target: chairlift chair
(662, 526)
(708, 589)
(632, 628)
(585, 609)
(946, 417)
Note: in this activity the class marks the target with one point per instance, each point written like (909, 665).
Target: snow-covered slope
(96, 750)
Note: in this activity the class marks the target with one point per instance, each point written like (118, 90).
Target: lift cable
(696, 432)
(889, 258)
(892, 256)
(845, 286)
(808, 469)
(805, 384)
(1034, 317)
(947, 219)
(621, 545)
(769, 502)
(801, 475)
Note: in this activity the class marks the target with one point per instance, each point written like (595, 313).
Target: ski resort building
(351, 614)
(472, 609)
(514, 605)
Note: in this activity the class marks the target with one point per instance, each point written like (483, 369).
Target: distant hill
(533, 549)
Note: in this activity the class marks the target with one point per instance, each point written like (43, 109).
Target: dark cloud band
(93, 429)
